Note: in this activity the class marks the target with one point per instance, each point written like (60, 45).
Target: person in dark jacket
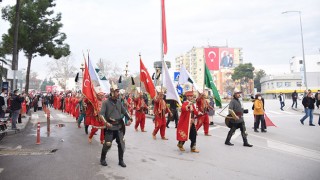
(16, 101)
(294, 96)
(308, 103)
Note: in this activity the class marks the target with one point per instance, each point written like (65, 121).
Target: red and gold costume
(160, 110)
(184, 123)
(186, 128)
(203, 107)
(140, 107)
(130, 105)
(95, 122)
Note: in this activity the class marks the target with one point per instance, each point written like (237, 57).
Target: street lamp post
(303, 56)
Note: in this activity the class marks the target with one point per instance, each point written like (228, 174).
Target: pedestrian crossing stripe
(35, 116)
(274, 112)
(300, 151)
(287, 112)
(61, 116)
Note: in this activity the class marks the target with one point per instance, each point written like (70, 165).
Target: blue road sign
(176, 76)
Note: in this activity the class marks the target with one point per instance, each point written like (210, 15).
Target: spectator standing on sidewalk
(294, 96)
(211, 110)
(259, 114)
(308, 103)
(317, 97)
(281, 98)
(16, 101)
(3, 103)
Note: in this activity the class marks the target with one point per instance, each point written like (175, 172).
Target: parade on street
(153, 90)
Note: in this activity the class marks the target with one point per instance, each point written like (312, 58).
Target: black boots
(245, 140)
(120, 154)
(228, 139)
(103, 161)
(86, 129)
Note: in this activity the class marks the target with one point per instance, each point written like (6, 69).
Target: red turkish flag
(164, 28)
(87, 88)
(268, 121)
(147, 81)
(212, 58)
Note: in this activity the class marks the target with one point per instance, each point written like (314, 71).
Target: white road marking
(274, 112)
(236, 134)
(61, 116)
(35, 116)
(1, 169)
(212, 128)
(287, 112)
(300, 151)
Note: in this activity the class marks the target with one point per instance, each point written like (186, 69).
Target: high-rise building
(220, 60)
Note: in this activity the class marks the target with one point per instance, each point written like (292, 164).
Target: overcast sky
(118, 30)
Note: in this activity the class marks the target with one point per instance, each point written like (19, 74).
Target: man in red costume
(130, 104)
(203, 107)
(186, 126)
(160, 110)
(140, 107)
(96, 122)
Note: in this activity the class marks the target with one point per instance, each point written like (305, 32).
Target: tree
(46, 83)
(62, 70)
(257, 77)
(243, 73)
(39, 32)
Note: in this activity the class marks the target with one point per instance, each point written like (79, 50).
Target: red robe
(89, 113)
(184, 122)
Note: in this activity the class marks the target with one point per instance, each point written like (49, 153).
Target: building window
(287, 84)
(279, 84)
(299, 84)
(300, 62)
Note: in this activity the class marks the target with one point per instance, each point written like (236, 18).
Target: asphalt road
(288, 151)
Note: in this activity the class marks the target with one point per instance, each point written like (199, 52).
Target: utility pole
(15, 44)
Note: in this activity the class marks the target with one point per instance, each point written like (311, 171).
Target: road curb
(12, 132)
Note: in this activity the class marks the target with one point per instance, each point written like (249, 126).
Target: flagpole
(204, 74)
(161, 41)
(140, 70)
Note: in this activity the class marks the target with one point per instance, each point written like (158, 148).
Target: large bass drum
(227, 120)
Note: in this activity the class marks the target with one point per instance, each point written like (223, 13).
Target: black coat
(16, 102)
(308, 102)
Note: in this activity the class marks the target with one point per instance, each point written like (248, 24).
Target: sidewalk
(20, 126)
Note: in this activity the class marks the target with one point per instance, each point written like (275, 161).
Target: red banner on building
(212, 58)
(49, 88)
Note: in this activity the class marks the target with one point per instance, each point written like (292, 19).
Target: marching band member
(203, 107)
(111, 112)
(96, 122)
(186, 125)
(160, 110)
(140, 107)
(235, 109)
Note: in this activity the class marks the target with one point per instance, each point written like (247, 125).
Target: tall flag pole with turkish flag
(208, 81)
(164, 46)
(147, 81)
(87, 87)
